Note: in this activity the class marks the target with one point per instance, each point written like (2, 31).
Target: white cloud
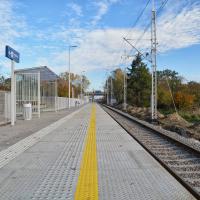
(41, 61)
(103, 7)
(181, 30)
(97, 48)
(100, 48)
(102, 10)
(12, 26)
(76, 8)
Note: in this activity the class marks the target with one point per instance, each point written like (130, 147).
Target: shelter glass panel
(27, 91)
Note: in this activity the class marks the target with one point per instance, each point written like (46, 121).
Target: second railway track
(180, 160)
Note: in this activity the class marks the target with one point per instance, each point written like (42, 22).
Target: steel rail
(139, 122)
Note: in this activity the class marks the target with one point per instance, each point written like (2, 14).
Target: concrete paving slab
(50, 168)
(126, 171)
(10, 135)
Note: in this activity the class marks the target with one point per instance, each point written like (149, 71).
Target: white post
(72, 92)
(73, 102)
(107, 92)
(111, 91)
(154, 64)
(69, 76)
(15, 96)
(12, 94)
(56, 95)
(125, 89)
(69, 81)
(81, 89)
(38, 95)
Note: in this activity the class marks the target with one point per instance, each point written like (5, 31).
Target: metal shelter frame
(37, 86)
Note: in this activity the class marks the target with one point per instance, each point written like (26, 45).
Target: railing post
(56, 96)
(39, 95)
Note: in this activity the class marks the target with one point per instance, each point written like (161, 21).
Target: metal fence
(46, 104)
(4, 107)
(63, 103)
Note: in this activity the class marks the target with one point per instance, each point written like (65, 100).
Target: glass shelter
(37, 86)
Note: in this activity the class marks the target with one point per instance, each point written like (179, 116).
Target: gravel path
(10, 135)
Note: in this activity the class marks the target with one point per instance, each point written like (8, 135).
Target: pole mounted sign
(14, 57)
(12, 54)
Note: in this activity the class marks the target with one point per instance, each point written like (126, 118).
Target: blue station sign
(12, 54)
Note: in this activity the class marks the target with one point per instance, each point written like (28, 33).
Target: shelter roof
(45, 73)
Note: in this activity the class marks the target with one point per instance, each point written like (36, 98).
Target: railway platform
(84, 156)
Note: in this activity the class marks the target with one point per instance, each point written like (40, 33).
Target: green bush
(191, 117)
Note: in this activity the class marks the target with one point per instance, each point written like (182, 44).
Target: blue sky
(42, 30)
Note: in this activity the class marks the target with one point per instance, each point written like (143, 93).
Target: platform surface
(88, 156)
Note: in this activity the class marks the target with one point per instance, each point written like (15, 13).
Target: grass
(166, 112)
(191, 117)
(187, 115)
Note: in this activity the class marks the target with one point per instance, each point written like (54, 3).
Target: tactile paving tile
(50, 168)
(127, 171)
(13, 151)
(87, 184)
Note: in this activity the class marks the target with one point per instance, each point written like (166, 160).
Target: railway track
(179, 159)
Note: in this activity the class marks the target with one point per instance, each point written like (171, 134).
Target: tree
(139, 83)
(172, 77)
(169, 82)
(164, 96)
(75, 83)
(183, 94)
(183, 100)
(193, 88)
(186, 96)
(85, 83)
(5, 84)
(118, 85)
(62, 88)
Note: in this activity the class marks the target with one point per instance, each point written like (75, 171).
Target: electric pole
(125, 57)
(111, 91)
(82, 86)
(125, 88)
(154, 64)
(107, 92)
(69, 77)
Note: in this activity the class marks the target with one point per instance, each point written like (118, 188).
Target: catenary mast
(154, 63)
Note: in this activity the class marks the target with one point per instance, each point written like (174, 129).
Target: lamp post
(111, 91)
(107, 87)
(125, 57)
(107, 100)
(69, 78)
(82, 86)
(125, 88)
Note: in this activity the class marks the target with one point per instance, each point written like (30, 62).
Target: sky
(43, 30)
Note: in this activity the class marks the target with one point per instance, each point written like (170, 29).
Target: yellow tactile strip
(87, 186)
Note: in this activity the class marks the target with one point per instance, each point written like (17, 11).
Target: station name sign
(12, 54)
